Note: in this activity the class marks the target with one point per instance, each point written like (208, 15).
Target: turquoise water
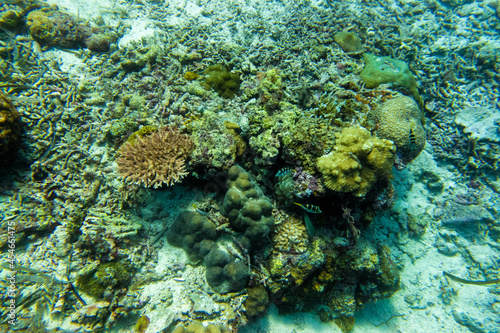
(262, 166)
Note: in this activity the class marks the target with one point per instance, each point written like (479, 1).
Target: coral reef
(227, 268)
(257, 301)
(155, 159)
(217, 143)
(52, 27)
(357, 162)
(246, 207)
(400, 120)
(284, 186)
(194, 233)
(348, 41)
(10, 126)
(221, 80)
(290, 235)
(105, 278)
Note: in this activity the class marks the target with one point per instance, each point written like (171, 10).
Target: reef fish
(309, 208)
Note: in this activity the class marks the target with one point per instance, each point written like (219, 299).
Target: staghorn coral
(155, 159)
(357, 162)
(291, 236)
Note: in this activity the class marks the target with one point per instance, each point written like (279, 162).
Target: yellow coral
(291, 236)
(357, 162)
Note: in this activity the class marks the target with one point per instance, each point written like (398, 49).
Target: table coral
(357, 162)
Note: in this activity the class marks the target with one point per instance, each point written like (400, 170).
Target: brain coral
(400, 120)
(357, 162)
(155, 159)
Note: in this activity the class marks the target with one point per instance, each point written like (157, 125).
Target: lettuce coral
(155, 159)
(357, 162)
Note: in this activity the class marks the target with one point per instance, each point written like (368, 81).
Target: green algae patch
(381, 70)
(348, 41)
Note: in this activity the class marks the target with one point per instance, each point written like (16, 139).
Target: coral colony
(208, 166)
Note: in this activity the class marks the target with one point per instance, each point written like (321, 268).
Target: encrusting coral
(357, 162)
(155, 159)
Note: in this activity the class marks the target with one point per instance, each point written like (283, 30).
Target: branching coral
(155, 159)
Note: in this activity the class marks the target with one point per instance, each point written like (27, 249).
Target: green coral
(380, 70)
(225, 270)
(357, 162)
(221, 80)
(249, 211)
(194, 233)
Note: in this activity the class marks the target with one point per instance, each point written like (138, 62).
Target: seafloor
(92, 240)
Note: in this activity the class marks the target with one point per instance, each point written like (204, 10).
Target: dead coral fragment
(357, 162)
(155, 159)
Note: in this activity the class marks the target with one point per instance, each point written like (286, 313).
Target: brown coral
(155, 159)
(291, 236)
(10, 128)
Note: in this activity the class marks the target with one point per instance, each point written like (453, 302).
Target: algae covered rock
(400, 120)
(246, 207)
(10, 126)
(357, 162)
(52, 27)
(381, 70)
(348, 41)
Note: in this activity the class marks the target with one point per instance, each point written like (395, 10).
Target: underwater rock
(357, 162)
(400, 120)
(203, 304)
(52, 27)
(454, 215)
(348, 41)
(480, 122)
(247, 208)
(10, 126)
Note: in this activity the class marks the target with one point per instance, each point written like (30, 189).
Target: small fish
(285, 171)
(477, 283)
(199, 210)
(309, 208)
(309, 225)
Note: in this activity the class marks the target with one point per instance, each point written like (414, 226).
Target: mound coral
(357, 162)
(155, 159)
(400, 120)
